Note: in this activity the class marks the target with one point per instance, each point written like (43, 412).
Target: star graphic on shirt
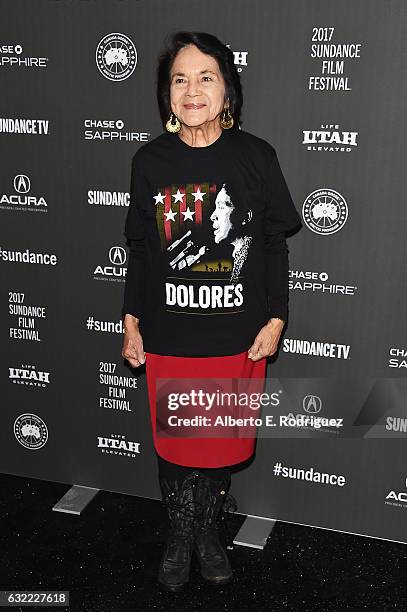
(170, 215)
(159, 199)
(188, 214)
(198, 195)
(178, 197)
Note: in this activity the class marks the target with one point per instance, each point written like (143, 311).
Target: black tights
(173, 471)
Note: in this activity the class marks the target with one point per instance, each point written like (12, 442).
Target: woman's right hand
(133, 349)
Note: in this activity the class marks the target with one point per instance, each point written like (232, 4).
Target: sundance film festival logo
(116, 57)
(329, 138)
(115, 270)
(31, 431)
(27, 375)
(13, 56)
(325, 211)
(21, 199)
(331, 56)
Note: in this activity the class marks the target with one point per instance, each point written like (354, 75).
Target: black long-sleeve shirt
(208, 260)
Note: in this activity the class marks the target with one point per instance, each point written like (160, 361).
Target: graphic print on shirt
(205, 241)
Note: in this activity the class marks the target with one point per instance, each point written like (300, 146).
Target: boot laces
(227, 506)
(175, 501)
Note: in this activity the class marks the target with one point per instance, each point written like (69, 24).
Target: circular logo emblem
(117, 255)
(325, 211)
(116, 57)
(22, 183)
(31, 431)
(312, 404)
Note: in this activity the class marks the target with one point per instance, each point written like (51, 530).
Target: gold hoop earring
(173, 124)
(226, 119)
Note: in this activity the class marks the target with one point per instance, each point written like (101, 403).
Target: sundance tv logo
(116, 57)
(14, 125)
(316, 348)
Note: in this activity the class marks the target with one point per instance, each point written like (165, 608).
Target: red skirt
(212, 451)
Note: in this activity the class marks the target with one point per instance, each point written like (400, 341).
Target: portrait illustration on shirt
(203, 229)
(228, 223)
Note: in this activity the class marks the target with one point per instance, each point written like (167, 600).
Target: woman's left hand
(266, 341)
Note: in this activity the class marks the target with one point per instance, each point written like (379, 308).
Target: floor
(108, 559)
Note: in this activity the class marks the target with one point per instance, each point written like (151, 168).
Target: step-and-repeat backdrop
(324, 82)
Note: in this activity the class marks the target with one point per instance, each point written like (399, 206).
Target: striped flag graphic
(184, 207)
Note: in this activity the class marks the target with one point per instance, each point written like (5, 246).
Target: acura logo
(22, 183)
(312, 404)
(117, 255)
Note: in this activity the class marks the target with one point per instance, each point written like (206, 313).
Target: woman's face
(197, 88)
(221, 216)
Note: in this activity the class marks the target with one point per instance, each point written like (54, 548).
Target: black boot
(178, 497)
(210, 497)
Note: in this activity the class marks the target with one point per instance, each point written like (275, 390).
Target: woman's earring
(173, 124)
(226, 119)
(248, 218)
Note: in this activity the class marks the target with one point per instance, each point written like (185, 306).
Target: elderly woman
(206, 293)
